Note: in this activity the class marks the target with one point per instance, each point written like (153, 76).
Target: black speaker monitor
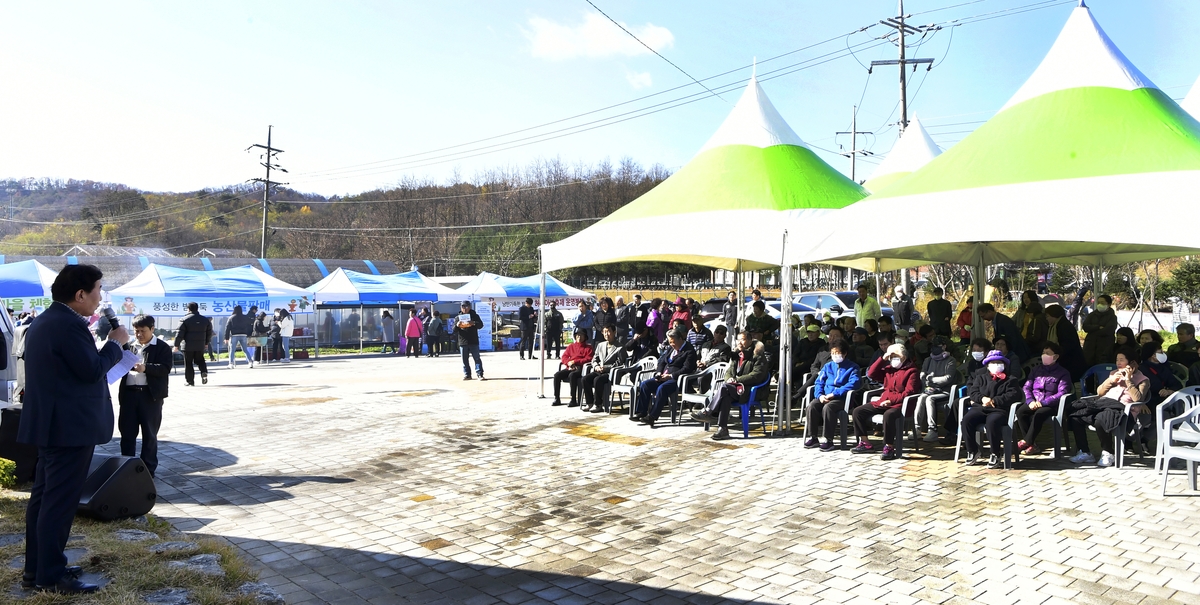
(117, 487)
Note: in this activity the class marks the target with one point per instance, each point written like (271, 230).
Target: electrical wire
(428, 228)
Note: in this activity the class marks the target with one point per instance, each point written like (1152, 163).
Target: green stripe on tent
(742, 177)
(1073, 133)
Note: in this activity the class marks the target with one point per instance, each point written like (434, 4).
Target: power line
(639, 41)
(427, 228)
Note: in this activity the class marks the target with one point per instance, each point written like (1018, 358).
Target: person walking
(194, 334)
(142, 392)
(237, 333)
(433, 334)
(412, 335)
(466, 327)
(389, 333)
(67, 413)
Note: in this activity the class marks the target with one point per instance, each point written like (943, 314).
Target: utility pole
(854, 150)
(267, 158)
(897, 23)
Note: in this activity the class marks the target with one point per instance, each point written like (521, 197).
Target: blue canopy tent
(162, 290)
(25, 285)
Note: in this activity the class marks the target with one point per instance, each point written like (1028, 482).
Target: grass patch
(134, 570)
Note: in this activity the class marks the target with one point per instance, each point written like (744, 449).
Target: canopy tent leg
(316, 331)
(977, 299)
(879, 286)
(541, 331)
(782, 402)
(360, 329)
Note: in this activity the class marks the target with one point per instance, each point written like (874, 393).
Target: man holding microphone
(67, 413)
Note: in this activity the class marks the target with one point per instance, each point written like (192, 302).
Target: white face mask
(1101, 307)
(1161, 357)
(977, 355)
(897, 362)
(995, 368)
(837, 358)
(1048, 360)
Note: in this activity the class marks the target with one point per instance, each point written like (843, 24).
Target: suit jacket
(67, 402)
(1072, 352)
(158, 359)
(1005, 326)
(683, 363)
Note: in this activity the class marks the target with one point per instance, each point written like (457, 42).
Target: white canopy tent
(913, 149)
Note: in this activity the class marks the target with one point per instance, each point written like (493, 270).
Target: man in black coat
(729, 313)
(528, 318)
(1006, 327)
(193, 336)
(142, 392)
(466, 327)
(940, 310)
(678, 361)
(67, 413)
(1063, 332)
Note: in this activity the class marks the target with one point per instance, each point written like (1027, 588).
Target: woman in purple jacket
(1044, 389)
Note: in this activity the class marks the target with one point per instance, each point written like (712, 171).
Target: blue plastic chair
(752, 403)
(1100, 370)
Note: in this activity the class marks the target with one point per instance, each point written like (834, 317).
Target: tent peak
(913, 149)
(754, 121)
(1082, 56)
(1191, 103)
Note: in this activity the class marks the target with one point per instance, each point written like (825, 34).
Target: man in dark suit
(1006, 327)
(142, 392)
(676, 362)
(940, 311)
(194, 334)
(67, 413)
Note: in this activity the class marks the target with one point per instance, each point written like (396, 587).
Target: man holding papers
(142, 392)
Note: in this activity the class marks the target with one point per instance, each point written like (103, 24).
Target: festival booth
(501, 297)
(164, 293)
(351, 305)
(25, 285)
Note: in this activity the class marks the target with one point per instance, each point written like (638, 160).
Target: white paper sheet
(128, 360)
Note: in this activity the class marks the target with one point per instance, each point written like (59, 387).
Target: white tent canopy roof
(912, 150)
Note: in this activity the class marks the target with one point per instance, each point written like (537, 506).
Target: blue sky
(166, 96)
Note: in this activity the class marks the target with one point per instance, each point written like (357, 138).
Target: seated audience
(939, 373)
(991, 393)
(1045, 387)
(750, 369)
(1124, 337)
(699, 335)
(1146, 336)
(807, 348)
(835, 380)
(1155, 366)
(1000, 343)
(759, 324)
(900, 378)
(864, 353)
(577, 355)
(1186, 352)
(654, 392)
(823, 356)
(608, 355)
(1122, 393)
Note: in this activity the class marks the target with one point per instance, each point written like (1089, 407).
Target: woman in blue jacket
(837, 379)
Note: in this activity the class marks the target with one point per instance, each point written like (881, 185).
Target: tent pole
(739, 286)
(316, 330)
(782, 401)
(878, 286)
(360, 329)
(980, 290)
(541, 330)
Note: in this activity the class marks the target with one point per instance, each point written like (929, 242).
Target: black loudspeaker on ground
(117, 487)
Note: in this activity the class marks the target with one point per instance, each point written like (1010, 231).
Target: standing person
(866, 307)
(327, 328)
(389, 332)
(1002, 325)
(142, 392)
(433, 334)
(528, 317)
(605, 316)
(194, 334)
(466, 327)
(940, 311)
(965, 322)
(1031, 321)
(275, 337)
(902, 308)
(1101, 326)
(755, 296)
(624, 319)
(258, 333)
(655, 320)
(208, 346)
(237, 332)
(554, 330)
(412, 335)
(639, 310)
(287, 327)
(729, 315)
(586, 319)
(1060, 332)
(67, 413)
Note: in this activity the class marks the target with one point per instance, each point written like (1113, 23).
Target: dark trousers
(657, 392)
(824, 415)
(412, 346)
(471, 351)
(435, 345)
(721, 401)
(596, 388)
(992, 418)
(526, 345)
(57, 486)
(140, 412)
(277, 347)
(1030, 422)
(194, 358)
(1079, 430)
(863, 426)
(572, 376)
(554, 340)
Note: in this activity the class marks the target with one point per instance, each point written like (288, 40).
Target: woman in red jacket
(900, 379)
(577, 355)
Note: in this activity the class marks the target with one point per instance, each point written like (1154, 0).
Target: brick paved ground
(386, 480)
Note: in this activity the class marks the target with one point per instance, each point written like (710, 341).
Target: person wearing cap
(862, 353)
(939, 373)
(837, 378)
(902, 308)
(807, 348)
(991, 392)
(466, 328)
(1044, 389)
(682, 312)
(577, 355)
(900, 378)
(865, 306)
(827, 322)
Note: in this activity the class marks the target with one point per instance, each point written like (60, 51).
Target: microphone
(113, 322)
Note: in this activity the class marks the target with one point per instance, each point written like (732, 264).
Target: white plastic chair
(644, 364)
(1191, 453)
(1180, 402)
(717, 370)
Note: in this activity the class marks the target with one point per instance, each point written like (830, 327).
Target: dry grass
(134, 570)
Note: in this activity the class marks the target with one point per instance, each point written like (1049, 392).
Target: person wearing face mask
(1044, 389)
(1101, 327)
(1162, 381)
(979, 350)
(900, 379)
(992, 392)
(1062, 333)
(939, 371)
(836, 380)
(1124, 392)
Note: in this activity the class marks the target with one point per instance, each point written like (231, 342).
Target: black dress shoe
(69, 585)
(72, 571)
(204, 379)
(556, 402)
(721, 435)
(705, 418)
(637, 418)
(573, 405)
(189, 384)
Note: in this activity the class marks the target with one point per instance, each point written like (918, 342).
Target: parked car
(837, 303)
(772, 309)
(712, 308)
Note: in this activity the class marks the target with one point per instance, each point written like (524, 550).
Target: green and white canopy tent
(1191, 103)
(912, 151)
(1088, 163)
(754, 172)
